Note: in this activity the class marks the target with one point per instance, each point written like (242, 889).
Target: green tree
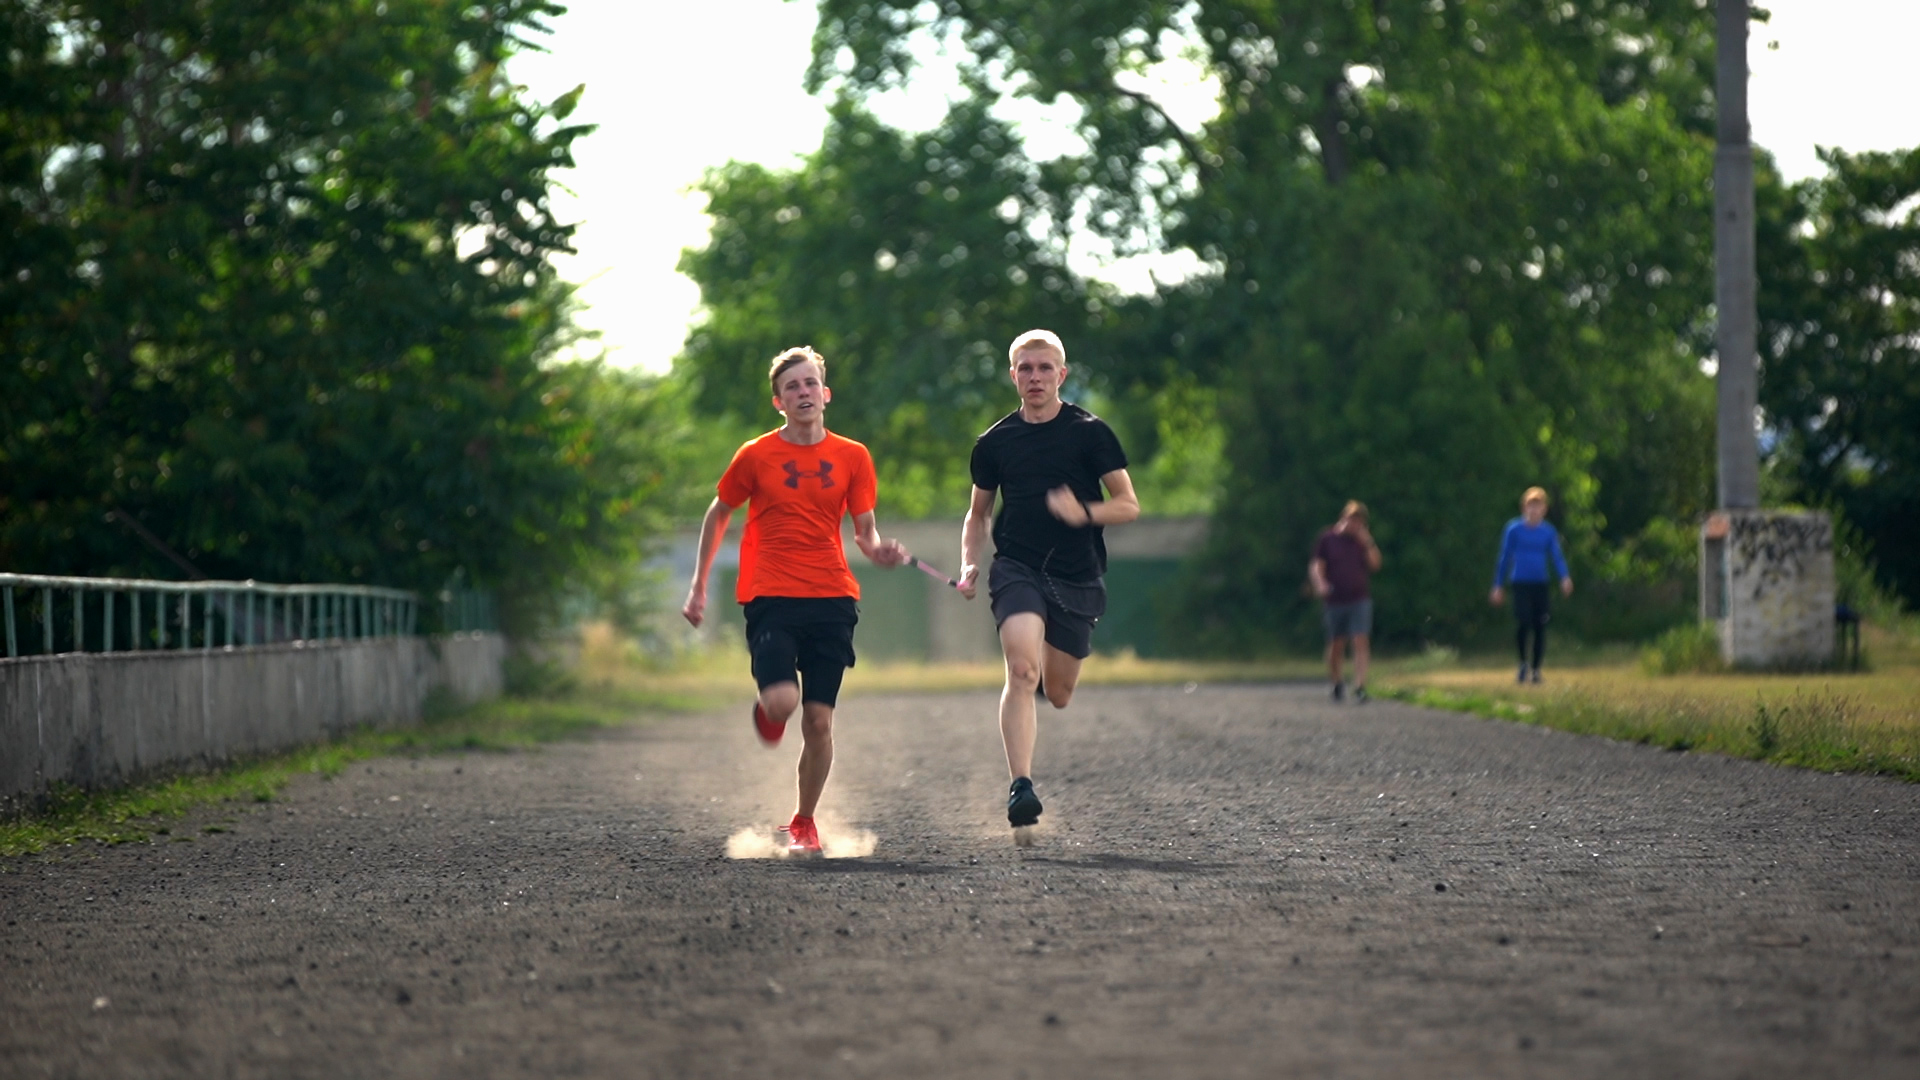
(277, 289)
(1840, 327)
(1473, 273)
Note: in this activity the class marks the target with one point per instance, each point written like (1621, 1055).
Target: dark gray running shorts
(1347, 620)
(1071, 608)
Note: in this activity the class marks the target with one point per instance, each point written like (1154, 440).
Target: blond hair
(1355, 509)
(1034, 339)
(1531, 494)
(799, 354)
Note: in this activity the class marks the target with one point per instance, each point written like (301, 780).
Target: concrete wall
(470, 666)
(100, 720)
(1767, 584)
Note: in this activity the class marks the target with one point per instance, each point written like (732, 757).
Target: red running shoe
(803, 840)
(768, 730)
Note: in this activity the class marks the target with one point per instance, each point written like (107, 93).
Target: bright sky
(677, 88)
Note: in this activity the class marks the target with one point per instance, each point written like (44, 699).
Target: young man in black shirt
(1048, 462)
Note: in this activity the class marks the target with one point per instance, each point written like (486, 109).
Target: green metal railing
(137, 615)
(467, 611)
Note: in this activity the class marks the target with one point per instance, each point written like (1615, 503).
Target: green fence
(45, 615)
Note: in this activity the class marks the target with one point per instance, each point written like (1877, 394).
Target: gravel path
(1232, 881)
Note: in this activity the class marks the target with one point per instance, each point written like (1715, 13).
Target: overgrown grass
(1865, 722)
(137, 813)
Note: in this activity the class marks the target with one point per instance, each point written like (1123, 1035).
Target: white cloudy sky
(677, 87)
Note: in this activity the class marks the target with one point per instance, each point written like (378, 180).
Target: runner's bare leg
(816, 753)
(1062, 675)
(1022, 639)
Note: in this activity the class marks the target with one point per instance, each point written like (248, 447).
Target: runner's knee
(1022, 673)
(816, 721)
(780, 699)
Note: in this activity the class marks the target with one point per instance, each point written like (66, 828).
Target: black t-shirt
(1025, 461)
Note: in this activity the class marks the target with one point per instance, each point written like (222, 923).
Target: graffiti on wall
(1771, 553)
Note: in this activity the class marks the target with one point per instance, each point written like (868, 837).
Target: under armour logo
(824, 473)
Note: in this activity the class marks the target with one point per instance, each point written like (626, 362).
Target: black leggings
(1530, 614)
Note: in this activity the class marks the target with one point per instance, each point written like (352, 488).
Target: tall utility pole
(1766, 577)
(1733, 292)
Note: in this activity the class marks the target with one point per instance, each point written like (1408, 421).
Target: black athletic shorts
(804, 639)
(1071, 608)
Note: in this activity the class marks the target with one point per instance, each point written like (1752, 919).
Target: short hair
(1533, 493)
(797, 355)
(1034, 338)
(1355, 508)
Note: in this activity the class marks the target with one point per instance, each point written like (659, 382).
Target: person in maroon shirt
(1344, 557)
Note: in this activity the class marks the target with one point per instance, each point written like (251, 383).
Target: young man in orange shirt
(800, 597)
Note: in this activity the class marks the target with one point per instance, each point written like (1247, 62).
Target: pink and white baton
(937, 575)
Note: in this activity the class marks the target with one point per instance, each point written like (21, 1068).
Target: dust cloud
(837, 841)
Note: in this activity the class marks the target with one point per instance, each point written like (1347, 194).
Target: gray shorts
(1071, 608)
(1349, 620)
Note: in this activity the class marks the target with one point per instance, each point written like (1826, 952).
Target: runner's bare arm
(879, 550)
(1120, 506)
(1317, 573)
(713, 528)
(973, 536)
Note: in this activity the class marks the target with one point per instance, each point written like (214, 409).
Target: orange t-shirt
(796, 496)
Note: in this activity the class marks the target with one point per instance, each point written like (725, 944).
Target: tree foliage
(276, 297)
(1840, 332)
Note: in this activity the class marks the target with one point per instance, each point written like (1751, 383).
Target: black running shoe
(1023, 806)
(1339, 691)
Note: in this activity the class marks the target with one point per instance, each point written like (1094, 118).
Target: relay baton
(937, 575)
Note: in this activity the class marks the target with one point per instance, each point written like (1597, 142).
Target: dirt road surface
(1232, 882)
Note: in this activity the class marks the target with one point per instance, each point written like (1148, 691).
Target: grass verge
(1864, 723)
(135, 813)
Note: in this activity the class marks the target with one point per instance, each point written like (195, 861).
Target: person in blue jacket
(1525, 549)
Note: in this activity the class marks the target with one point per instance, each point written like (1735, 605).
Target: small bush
(1431, 657)
(536, 677)
(1692, 648)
